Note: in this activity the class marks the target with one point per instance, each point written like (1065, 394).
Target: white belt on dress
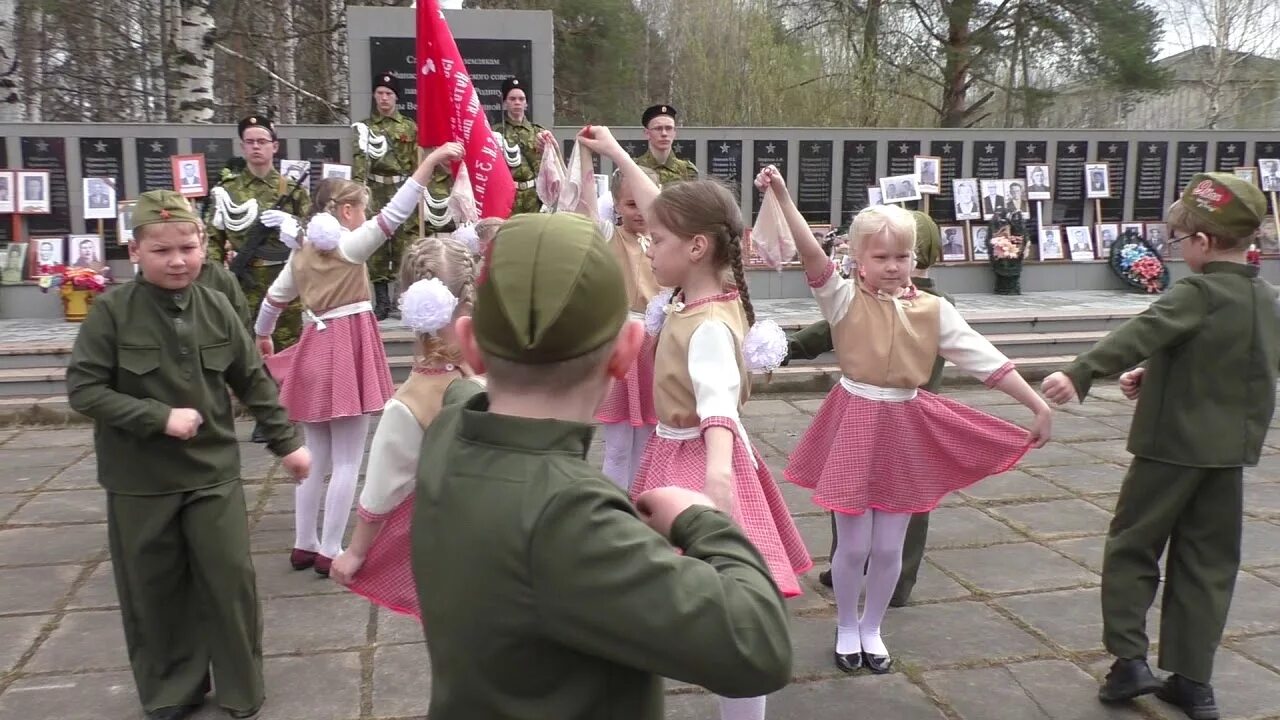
(636, 315)
(666, 432)
(354, 308)
(875, 392)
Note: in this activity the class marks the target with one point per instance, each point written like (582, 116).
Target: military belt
(526, 185)
(387, 179)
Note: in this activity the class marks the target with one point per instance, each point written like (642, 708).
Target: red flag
(449, 110)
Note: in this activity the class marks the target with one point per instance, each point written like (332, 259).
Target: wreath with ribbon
(1138, 264)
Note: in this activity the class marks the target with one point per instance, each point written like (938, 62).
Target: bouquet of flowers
(73, 278)
(1008, 238)
(1138, 264)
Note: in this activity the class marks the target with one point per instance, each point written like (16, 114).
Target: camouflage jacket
(402, 149)
(673, 170)
(267, 190)
(525, 135)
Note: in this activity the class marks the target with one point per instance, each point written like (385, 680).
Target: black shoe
(848, 663)
(1193, 698)
(824, 577)
(878, 664)
(1127, 679)
(381, 301)
(258, 436)
(174, 712)
(898, 602)
(243, 714)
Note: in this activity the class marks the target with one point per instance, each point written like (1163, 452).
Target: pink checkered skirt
(758, 507)
(630, 400)
(340, 371)
(386, 578)
(901, 457)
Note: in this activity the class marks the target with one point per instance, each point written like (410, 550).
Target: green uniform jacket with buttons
(216, 277)
(524, 134)
(673, 170)
(402, 149)
(543, 595)
(266, 190)
(1212, 346)
(144, 351)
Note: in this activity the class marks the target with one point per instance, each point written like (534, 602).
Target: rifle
(258, 236)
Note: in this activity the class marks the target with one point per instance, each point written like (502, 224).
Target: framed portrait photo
(1080, 242)
(992, 198)
(8, 198)
(1106, 233)
(1097, 181)
(124, 221)
(1270, 171)
(928, 171)
(964, 193)
(1157, 235)
(1015, 196)
(1268, 239)
(86, 251)
(978, 246)
(334, 170)
(43, 252)
(33, 192)
(1039, 183)
(1051, 243)
(1248, 174)
(874, 197)
(189, 176)
(953, 243)
(99, 198)
(1140, 228)
(899, 188)
(297, 170)
(15, 264)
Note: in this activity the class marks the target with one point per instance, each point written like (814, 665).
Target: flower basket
(77, 287)
(1138, 264)
(1007, 243)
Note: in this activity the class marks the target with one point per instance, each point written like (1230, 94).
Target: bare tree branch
(302, 91)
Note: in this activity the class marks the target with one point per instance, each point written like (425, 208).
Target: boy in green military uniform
(585, 608)
(151, 366)
(815, 340)
(659, 122)
(1206, 394)
(231, 226)
(525, 140)
(386, 154)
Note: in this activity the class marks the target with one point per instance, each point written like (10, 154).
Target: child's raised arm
(600, 141)
(811, 254)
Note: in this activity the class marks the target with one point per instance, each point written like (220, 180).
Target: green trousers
(1197, 512)
(188, 596)
(912, 555)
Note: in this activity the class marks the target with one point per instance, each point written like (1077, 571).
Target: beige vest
(326, 280)
(424, 394)
(673, 396)
(636, 270)
(873, 346)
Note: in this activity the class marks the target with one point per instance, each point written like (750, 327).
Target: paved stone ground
(784, 311)
(1004, 624)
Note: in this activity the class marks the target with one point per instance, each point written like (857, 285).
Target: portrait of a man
(1097, 181)
(15, 257)
(1038, 187)
(87, 252)
(952, 242)
(965, 193)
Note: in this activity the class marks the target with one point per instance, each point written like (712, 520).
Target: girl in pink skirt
(880, 450)
(337, 375)
(440, 277)
(627, 410)
(701, 370)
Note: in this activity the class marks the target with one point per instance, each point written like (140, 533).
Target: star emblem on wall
(212, 148)
(724, 148)
(904, 148)
(815, 148)
(1193, 148)
(946, 149)
(1269, 148)
(1153, 149)
(1113, 148)
(990, 148)
(1231, 148)
(42, 146)
(1031, 148)
(1071, 149)
(770, 148)
(319, 149)
(860, 148)
(100, 146)
(157, 147)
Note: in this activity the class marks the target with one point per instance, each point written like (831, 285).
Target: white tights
(872, 540)
(623, 449)
(751, 708)
(337, 444)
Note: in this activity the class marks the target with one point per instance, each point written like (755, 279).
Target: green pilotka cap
(162, 206)
(1233, 208)
(928, 241)
(551, 291)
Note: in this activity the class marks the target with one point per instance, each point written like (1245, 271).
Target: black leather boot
(1128, 679)
(1193, 698)
(381, 301)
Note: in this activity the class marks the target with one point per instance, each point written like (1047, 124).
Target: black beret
(387, 80)
(261, 121)
(512, 83)
(654, 111)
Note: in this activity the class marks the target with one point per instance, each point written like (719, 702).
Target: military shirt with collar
(562, 556)
(266, 190)
(143, 351)
(216, 277)
(525, 135)
(673, 170)
(402, 151)
(1212, 349)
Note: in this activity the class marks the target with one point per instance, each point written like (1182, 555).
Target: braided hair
(451, 262)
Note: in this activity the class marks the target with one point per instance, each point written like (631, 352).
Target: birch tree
(10, 102)
(191, 56)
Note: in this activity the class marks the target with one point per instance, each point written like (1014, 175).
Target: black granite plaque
(725, 163)
(1116, 155)
(634, 148)
(951, 152)
(1267, 149)
(859, 174)
(1148, 196)
(49, 153)
(154, 170)
(319, 152)
(988, 159)
(488, 62)
(1191, 158)
(813, 188)
(1068, 182)
(902, 157)
(217, 151)
(6, 223)
(568, 153)
(686, 150)
(766, 152)
(1231, 155)
(104, 158)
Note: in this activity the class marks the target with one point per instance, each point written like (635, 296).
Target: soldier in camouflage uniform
(386, 152)
(262, 182)
(659, 123)
(524, 143)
